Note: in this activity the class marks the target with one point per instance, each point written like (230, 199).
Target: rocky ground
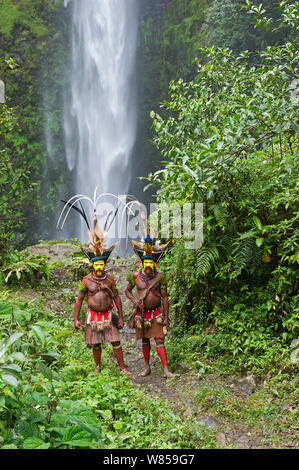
(212, 401)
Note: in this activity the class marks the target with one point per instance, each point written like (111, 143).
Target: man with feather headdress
(101, 325)
(147, 318)
(99, 288)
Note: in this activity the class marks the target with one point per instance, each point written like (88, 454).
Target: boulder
(246, 385)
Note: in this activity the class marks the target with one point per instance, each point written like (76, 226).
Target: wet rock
(209, 421)
(246, 386)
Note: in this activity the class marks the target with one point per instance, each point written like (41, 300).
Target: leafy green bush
(15, 186)
(230, 141)
(80, 264)
(22, 265)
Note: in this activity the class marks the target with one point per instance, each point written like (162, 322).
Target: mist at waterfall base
(99, 118)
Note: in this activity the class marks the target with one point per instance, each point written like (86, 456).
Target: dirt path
(210, 400)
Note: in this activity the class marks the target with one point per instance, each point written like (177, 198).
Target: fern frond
(246, 255)
(227, 242)
(221, 214)
(207, 256)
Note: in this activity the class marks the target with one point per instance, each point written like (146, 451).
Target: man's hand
(78, 324)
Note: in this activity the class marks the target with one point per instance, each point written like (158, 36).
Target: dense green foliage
(230, 141)
(32, 46)
(15, 185)
(227, 24)
(50, 398)
(31, 14)
(171, 36)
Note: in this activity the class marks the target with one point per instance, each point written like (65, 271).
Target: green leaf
(85, 444)
(76, 437)
(8, 276)
(259, 241)
(45, 370)
(2, 402)
(38, 332)
(257, 222)
(35, 443)
(10, 380)
(118, 425)
(62, 334)
(18, 356)
(106, 414)
(13, 338)
(13, 369)
(38, 398)
(5, 308)
(52, 354)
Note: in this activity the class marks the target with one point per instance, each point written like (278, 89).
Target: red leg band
(146, 349)
(118, 353)
(97, 352)
(161, 350)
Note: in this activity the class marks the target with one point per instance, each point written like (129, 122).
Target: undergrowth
(51, 398)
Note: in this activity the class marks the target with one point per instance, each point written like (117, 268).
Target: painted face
(99, 267)
(148, 266)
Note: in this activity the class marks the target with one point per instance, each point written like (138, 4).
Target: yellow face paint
(99, 266)
(148, 264)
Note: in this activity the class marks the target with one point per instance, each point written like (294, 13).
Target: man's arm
(165, 304)
(77, 308)
(130, 287)
(118, 303)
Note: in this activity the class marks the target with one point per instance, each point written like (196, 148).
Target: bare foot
(168, 374)
(97, 369)
(145, 372)
(126, 372)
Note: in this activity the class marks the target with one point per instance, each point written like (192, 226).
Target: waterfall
(100, 106)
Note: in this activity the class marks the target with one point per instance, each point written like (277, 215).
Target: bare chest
(142, 285)
(104, 287)
(100, 295)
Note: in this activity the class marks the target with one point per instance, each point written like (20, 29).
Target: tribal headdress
(150, 247)
(97, 249)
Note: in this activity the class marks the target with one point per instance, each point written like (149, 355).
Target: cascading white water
(100, 110)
